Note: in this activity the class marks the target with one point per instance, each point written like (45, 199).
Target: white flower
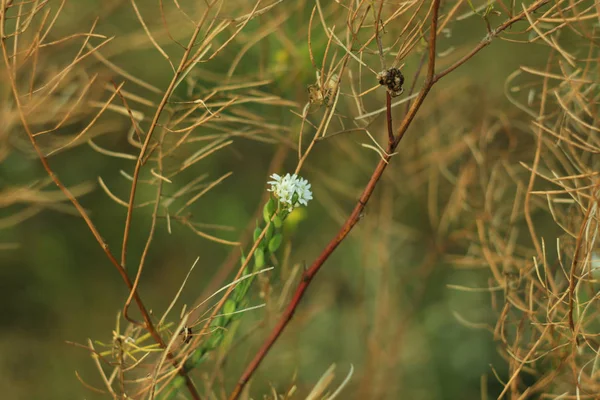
(291, 190)
(303, 190)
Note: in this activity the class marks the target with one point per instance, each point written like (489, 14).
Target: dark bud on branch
(393, 80)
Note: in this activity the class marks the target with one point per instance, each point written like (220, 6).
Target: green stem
(273, 215)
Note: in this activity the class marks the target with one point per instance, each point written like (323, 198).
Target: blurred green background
(381, 302)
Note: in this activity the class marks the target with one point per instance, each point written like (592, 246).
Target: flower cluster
(291, 190)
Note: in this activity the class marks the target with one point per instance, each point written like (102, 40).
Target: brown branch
(354, 217)
(390, 124)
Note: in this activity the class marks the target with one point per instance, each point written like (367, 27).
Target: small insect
(393, 80)
(187, 334)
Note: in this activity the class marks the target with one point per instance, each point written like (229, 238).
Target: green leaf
(241, 289)
(195, 359)
(269, 233)
(243, 257)
(277, 222)
(229, 307)
(257, 232)
(269, 210)
(217, 322)
(215, 339)
(275, 242)
(259, 258)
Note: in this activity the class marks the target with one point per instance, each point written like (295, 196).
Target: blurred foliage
(408, 299)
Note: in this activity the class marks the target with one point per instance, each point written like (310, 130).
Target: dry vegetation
(503, 191)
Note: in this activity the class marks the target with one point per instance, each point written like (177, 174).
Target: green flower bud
(269, 209)
(256, 234)
(275, 242)
(269, 233)
(229, 307)
(259, 258)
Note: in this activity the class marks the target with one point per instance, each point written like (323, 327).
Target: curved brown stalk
(308, 275)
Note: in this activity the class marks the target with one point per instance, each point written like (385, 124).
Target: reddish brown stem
(390, 124)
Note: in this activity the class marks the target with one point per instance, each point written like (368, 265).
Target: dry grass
(506, 193)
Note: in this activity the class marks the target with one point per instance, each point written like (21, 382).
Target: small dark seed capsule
(393, 80)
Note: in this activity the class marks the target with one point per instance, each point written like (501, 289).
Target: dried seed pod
(186, 332)
(393, 80)
(321, 94)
